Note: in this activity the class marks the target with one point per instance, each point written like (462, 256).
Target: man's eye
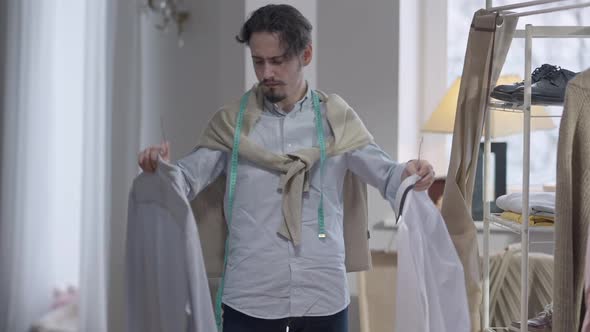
(259, 63)
(277, 62)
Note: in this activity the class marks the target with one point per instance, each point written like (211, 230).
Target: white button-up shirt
(267, 276)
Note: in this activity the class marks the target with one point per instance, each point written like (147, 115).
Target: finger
(425, 170)
(139, 158)
(165, 152)
(425, 182)
(154, 157)
(142, 160)
(422, 184)
(153, 153)
(423, 167)
(145, 161)
(411, 167)
(419, 165)
(148, 158)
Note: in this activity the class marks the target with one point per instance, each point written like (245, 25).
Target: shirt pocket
(334, 170)
(299, 133)
(311, 202)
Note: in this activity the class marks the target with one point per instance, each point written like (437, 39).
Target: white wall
(358, 59)
(433, 78)
(3, 39)
(410, 33)
(422, 63)
(187, 85)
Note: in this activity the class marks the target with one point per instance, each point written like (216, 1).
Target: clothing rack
(518, 5)
(548, 10)
(501, 9)
(527, 34)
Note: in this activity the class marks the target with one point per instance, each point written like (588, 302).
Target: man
(272, 282)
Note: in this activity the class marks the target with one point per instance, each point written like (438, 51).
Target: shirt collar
(299, 106)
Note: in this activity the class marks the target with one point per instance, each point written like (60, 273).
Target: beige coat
(349, 134)
(572, 205)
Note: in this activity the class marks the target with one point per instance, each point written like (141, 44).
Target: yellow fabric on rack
(533, 220)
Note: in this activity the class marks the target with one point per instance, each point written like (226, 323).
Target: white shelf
(503, 106)
(516, 227)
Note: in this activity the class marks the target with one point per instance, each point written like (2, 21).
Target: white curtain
(96, 171)
(70, 133)
(26, 268)
(112, 136)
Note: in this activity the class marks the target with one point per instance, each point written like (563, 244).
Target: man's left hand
(423, 169)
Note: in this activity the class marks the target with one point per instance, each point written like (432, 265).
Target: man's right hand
(148, 158)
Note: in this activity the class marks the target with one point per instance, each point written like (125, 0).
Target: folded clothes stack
(533, 220)
(548, 84)
(541, 208)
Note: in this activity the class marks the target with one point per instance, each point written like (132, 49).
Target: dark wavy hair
(293, 28)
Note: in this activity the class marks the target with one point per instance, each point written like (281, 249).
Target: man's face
(280, 76)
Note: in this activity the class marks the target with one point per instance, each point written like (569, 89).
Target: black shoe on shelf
(549, 90)
(548, 85)
(504, 92)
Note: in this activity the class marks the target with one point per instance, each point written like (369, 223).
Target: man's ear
(307, 54)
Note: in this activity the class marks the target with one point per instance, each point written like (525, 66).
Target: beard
(273, 93)
(274, 96)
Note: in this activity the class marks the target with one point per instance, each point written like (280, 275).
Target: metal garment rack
(523, 229)
(501, 9)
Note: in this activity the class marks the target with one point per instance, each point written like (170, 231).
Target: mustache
(272, 82)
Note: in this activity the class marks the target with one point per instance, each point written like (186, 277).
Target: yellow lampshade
(442, 120)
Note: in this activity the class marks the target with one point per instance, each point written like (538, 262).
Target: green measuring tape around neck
(319, 125)
(233, 174)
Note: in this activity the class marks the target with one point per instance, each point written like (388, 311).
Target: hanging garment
(586, 324)
(572, 215)
(431, 293)
(167, 288)
(487, 47)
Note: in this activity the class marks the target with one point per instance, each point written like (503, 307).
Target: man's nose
(268, 72)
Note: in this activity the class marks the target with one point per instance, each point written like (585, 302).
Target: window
(577, 58)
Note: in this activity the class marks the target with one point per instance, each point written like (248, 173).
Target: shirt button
(290, 145)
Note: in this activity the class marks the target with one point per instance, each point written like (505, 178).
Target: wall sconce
(169, 12)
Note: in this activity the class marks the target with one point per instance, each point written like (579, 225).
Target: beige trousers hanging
(486, 51)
